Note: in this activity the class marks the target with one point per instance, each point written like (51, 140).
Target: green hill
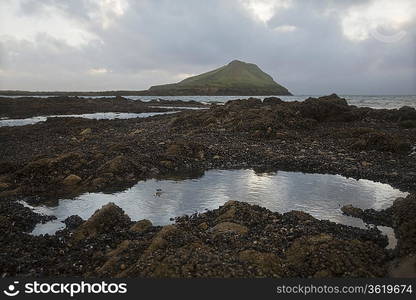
(236, 78)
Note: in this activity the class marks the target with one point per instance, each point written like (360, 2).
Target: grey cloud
(153, 41)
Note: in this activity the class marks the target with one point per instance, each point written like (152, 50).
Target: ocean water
(377, 102)
(373, 101)
(95, 116)
(321, 195)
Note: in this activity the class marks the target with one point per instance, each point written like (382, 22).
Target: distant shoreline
(123, 93)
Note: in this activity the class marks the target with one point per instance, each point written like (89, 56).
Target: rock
(109, 218)
(405, 267)
(86, 131)
(380, 141)
(327, 108)
(365, 164)
(72, 180)
(370, 216)
(352, 211)
(99, 181)
(323, 254)
(113, 265)
(4, 186)
(203, 226)
(228, 215)
(167, 164)
(268, 262)
(159, 240)
(229, 227)
(118, 165)
(272, 101)
(137, 131)
(73, 222)
(230, 203)
(140, 226)
(404, 223)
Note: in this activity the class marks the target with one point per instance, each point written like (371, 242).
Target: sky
(308, 46)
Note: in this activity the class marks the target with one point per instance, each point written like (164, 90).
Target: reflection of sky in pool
(95, 116)
(320, 195)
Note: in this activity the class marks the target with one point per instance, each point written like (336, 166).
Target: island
(237, 78)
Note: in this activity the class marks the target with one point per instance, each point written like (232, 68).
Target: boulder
(352, 211)
(86, 131)
(159, 240)
(119, 165)
(327, 108)
(73, 222)
(381, 141)
(325, 256)
(4, 186)
(404, 223)
(272, 101)
(228, 215)
(72, 180)
(267, 262)
(141, 226)
(229, 227)
(109, 218)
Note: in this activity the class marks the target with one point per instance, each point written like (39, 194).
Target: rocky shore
(64, 157)
(25, 107)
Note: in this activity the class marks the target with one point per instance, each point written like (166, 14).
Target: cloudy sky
(311, 47)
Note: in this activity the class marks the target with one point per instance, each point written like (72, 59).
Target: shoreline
(61, 158)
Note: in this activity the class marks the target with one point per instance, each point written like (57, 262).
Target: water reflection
(159, 200)
(94, 116)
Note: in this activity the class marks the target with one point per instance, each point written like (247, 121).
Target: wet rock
(324, 255)
(185, 149)
(404, 267)
(407, 113)
(272, 101)
(118, 165)
(229, 227)
(370, 216)
(159, 241)
(99, 181)
(404, 223)
(136, 132)
(86, 131)
(72, 180)
(113, 264)
(327, 108)
(268, 262)
(408, 124)
(4, 186)
(352, 211)
(73, 222)
(203, 226)
(140, 226)
(228, 215)
(109, 218)
(381, 141)
(167, 164)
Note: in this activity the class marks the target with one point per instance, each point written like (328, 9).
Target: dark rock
(141, 226)
(327, 108)
(109, 218)
(73, 222)
(381, 141)
(72, 180)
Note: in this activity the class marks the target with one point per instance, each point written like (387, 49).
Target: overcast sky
(309, 46)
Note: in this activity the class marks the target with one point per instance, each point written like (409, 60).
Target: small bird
(158, 192)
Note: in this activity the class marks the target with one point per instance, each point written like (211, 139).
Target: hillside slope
(236, 78)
